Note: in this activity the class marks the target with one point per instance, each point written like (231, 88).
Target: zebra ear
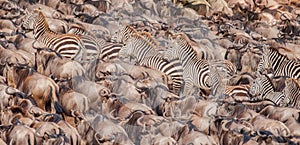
(257, 74)
(26, 11)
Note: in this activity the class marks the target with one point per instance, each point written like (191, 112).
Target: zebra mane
(276, 50)
(130, 28)
(140, 38)
(293, 81)
(184, 38)
(149, 36)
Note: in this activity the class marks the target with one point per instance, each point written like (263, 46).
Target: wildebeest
(43, 90)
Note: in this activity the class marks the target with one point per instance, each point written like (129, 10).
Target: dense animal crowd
(149, 72)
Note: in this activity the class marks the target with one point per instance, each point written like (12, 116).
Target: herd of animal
(149, 72)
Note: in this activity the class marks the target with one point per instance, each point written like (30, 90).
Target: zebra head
(214, 81)
(122, 34)
(265, 62)
(171, 51)
(255, 87)
(30, 19)
(291, 86)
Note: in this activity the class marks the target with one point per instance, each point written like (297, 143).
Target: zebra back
(78, 30)
(67, 45)
(138, 48)
(292, 93)
(110, 51)
(149, 38)
(240, 90)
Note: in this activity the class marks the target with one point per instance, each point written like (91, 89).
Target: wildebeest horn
(104, 92)
(14, 92)
(141, 87)
(20, 65)
(98, 138)
(138, 121)
(26, 11)
(112, 116)
(224, 125)
(247, 124)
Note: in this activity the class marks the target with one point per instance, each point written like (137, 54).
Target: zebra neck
(267, 89)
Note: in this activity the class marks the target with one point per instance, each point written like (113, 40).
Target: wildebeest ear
(15, 120)
(25, 103)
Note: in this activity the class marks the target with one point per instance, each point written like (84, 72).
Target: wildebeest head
(15, 73)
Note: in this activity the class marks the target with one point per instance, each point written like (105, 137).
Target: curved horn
(138, 121)
(112, 116)
(247, 124)
(104, 92)
(74, 113)
(212, 116)
(142, 87)
(224, 125)
(98, 139)
(15, 92)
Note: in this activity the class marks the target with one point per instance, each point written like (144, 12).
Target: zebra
(67, 45)
(79, 48)
(264, 89)
(173, 69)
(219, 87)
(279, 64)
(292, 93)
(195, 71)
(184, 41)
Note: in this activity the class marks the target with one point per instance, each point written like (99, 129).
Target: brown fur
(43, 90)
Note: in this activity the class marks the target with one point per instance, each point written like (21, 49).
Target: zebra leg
(188, 88)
